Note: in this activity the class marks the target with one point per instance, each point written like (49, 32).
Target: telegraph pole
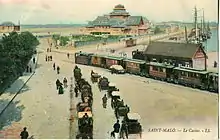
(72, 127)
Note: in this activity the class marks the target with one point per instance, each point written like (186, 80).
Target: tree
(64, 40)
(157, 30)
(55, 38)
(15, 52)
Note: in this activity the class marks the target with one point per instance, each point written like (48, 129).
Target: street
(46, 114)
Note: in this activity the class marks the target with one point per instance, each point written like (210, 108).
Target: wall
(199, 60)
(5, 29)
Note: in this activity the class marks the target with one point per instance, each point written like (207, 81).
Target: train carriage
(160, 71)
(191, 77)
(98, 60)
(130, 42)
(135, 66)
(113, 60)
(213, 82)
(83, 58)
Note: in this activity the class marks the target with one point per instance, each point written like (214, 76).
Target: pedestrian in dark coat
(124, 130)
(54, 66)
(24, 134)
(76, 91)
(34, 60)
(116, 129)
(27, 68)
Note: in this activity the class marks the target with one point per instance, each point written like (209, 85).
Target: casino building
(118, 22)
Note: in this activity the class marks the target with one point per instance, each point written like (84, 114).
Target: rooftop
(172, 49)
(7, 23)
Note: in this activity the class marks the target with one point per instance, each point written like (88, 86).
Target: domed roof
(7, 23)
(119, 6)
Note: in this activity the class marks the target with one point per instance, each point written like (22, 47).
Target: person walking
(104, 101)
(68, 55)
(124, 130)
(58, 70)
(76, 91)
(116, 127)
(34, 60)
(24, 134)
(54, 66)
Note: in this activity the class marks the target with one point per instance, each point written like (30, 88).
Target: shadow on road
(38, 66)
(12, 114)
(24, 89)
(16, 86)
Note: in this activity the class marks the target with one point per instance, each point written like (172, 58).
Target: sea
(211, 45)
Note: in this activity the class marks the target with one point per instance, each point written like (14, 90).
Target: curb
(2, 112)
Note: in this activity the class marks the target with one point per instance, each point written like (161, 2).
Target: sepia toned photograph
(109, 69)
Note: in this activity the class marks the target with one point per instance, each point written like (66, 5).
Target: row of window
(189, 74)
(158, 69)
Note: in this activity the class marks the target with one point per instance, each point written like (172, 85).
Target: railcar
(160, 71)
(179, 75)
(191, 77)
(130, 42)
(213, 82)
(83, 58)
(112, 60)
(135, 66)
(98, 60)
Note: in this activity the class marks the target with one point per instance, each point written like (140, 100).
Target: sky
(82, 11)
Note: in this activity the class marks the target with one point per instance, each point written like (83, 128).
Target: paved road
(165, 105)
(46, 113)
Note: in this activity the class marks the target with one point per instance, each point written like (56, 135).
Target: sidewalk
(13, 131)
(10, 93)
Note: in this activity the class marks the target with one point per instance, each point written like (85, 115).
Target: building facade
(7, 27)
(177, 54)
(118, 22)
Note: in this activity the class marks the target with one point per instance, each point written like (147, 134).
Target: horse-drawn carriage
(121, 110)
(115, 98)
(111, 88)
(77, 73)
(85, 125)
(95, 77)
(103, 83)
(83, 107)
(118, 69)
(83, 84)
(86, 97)
(132, 121)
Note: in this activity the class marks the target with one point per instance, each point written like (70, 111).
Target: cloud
(45, 6)
(14, 1)
(84, 10)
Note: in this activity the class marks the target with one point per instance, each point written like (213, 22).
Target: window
(155, 68)
(160, 69)
(164, 70)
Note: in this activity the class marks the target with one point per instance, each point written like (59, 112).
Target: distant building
(118, 22)
(7, 27)
(168, 28)
(177, 54)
